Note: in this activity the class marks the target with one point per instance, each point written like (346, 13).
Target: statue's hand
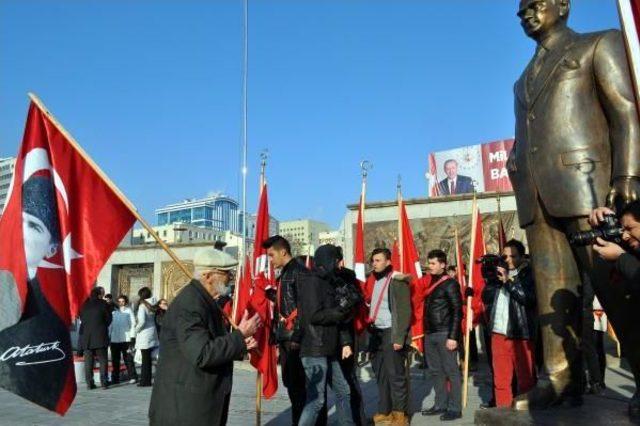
(624, 190)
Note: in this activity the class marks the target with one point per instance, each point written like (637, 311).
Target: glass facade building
(217, 212)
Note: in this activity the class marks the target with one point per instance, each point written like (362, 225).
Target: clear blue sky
(152, 90)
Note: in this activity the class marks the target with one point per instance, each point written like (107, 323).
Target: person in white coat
(120, 337)
(146, 334)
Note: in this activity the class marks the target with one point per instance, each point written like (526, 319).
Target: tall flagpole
(400, 238)
(245, 111)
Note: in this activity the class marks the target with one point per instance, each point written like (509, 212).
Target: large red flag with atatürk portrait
(61, 223)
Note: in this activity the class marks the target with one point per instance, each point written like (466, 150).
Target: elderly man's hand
(607, 250)
(597, 215)
(251, 343)
(248, 326)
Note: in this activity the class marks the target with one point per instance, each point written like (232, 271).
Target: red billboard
(480, 168)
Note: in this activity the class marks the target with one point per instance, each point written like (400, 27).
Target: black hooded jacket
(322, 311)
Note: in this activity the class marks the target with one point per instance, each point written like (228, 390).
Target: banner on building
(461, 170)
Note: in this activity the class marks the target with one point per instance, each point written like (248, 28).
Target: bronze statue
(577, 147)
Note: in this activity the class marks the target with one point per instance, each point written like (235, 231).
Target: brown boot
(382, 419)
(400, 418)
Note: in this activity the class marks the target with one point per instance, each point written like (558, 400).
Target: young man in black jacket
(442, 317)
(511, 302)
(322, 312)
(287, 332)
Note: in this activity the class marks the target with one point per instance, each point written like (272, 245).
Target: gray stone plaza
(127, 404)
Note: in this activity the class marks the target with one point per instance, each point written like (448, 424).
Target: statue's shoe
(545, 395)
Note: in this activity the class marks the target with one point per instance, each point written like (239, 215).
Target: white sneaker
(132, 381)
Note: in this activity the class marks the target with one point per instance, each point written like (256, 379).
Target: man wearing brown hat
(195, 367)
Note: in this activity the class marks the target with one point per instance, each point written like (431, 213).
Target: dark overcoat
(195, 367)
(95, 315)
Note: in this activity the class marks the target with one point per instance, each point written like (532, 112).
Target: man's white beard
(220, 288)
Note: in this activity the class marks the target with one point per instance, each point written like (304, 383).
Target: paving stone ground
(127, 404)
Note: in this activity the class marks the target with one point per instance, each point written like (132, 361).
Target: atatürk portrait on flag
(34, 342)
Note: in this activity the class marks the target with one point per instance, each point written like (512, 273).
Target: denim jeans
(320, 371)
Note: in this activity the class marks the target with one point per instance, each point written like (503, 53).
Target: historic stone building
(433, 221)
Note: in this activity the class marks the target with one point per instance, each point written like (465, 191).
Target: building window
(163, 219)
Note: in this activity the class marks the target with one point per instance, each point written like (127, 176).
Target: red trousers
(511, 355)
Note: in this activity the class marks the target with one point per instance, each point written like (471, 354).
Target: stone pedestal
(607, 410)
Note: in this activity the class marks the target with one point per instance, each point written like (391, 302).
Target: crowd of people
(127, 333)
(319, 313)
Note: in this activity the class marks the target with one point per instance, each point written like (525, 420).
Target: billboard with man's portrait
(480, 168)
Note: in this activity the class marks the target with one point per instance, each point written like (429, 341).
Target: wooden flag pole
(113, 187)
(109, 183)
(258, 399)
(469, 321)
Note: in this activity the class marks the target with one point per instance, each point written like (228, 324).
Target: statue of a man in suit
(577, 147)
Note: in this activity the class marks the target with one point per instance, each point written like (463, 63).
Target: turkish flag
(366, 285)
(460, 269)
(407, 261)
(358, 255)
(264, 359)
(243, 292)
(61, 223)
(361, 319)
(477, 251)
(432, 176)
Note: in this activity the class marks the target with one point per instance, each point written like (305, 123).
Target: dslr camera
(490, 264)
(609, 230)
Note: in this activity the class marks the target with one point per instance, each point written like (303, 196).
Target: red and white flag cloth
(359, 262)
(460, 269)
(61, 223)
(408, 262)
(630, 19)
(359, 254)
(478, 249)
(243, 292)
(264, 359)
(432, 177)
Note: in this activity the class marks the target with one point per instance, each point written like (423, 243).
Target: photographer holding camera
(619, 243)
(510, 298)
(625, 250)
